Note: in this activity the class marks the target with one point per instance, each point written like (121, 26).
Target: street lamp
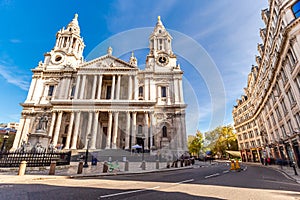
(5, 138)
(143, 147)
(86, 154)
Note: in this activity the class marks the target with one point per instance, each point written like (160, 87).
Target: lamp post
(5, 138)
(143, 147)
(86, 154)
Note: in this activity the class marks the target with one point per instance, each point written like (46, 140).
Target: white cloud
(14, 78)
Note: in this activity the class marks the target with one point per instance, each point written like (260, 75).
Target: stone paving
(91, 169)
(134, 167)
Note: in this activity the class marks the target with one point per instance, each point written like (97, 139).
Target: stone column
(88, 130)
(116, 128)
(113, 87)
(26, 129)
(152, 90)
(136, 88)
(151, 130)
(53, 119)
(57, 128)
(146, 97)
(95, 130)
(76, 95)
(99, 87)
(70, 131)
(94, 87)
(176, 90)
(168, 95)
(76, 131)
(118, 87)
(181, 91)
(129, 87)
(183, 133)
(127, 131)
(31, 89)
(17, 140)
(82, 89)
(133, 140)
(109, 130)
(159, 92)
(178, 132)
(146, 131)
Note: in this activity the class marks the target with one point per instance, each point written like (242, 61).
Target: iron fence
(34, 159)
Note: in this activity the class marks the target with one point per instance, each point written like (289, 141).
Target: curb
(128, 173)
(79, 176)
(276, 169)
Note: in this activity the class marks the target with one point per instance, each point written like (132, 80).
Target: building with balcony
(106, 103)
(267, 116)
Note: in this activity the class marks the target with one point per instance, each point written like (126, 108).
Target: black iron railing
(34, 159)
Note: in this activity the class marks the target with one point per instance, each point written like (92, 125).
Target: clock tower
(160, 57)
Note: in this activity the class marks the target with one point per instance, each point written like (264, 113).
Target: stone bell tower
(68, 48)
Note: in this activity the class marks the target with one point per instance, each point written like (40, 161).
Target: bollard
(232, 165)
(126, 166)
(176, 163)
(143, 165)
(22, 168)
(80, 167)
(185, 162)
(157, 164)
(181, 163)
(237, 165)
(52, 168)
(105, 167)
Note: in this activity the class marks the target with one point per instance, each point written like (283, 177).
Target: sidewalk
(287, 170)
(70, 171)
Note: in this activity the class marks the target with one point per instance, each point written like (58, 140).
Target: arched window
(141, 91)
(164, 131)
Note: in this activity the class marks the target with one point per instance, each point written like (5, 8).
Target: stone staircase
(113, 154)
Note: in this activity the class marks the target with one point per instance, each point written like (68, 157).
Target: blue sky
(225, 32)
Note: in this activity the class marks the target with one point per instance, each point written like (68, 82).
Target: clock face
(57, 58)
(163, 60)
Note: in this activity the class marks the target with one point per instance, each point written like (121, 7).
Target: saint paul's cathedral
(106, 103)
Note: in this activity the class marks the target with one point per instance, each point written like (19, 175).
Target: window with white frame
(291, 97)
(50, 90)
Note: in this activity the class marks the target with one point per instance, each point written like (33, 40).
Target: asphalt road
(201, 182)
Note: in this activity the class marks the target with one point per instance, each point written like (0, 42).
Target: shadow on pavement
(49, 192)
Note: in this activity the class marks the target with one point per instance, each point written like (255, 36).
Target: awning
(234, 153)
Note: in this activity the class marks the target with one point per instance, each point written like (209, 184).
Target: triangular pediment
(107, 62)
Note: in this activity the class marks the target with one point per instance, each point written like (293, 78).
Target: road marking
(186, 181)
(6, 186)
(245, 168)
(128, 192)
(224, 172)
(213, 175)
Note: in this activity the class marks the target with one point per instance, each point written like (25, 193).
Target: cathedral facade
(106, 103)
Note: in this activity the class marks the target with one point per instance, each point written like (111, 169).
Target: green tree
(221, 139)
(195, 143)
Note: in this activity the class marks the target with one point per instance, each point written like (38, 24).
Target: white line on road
(186, 181)
(224, 172)
(213, 175)
(128, 192)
